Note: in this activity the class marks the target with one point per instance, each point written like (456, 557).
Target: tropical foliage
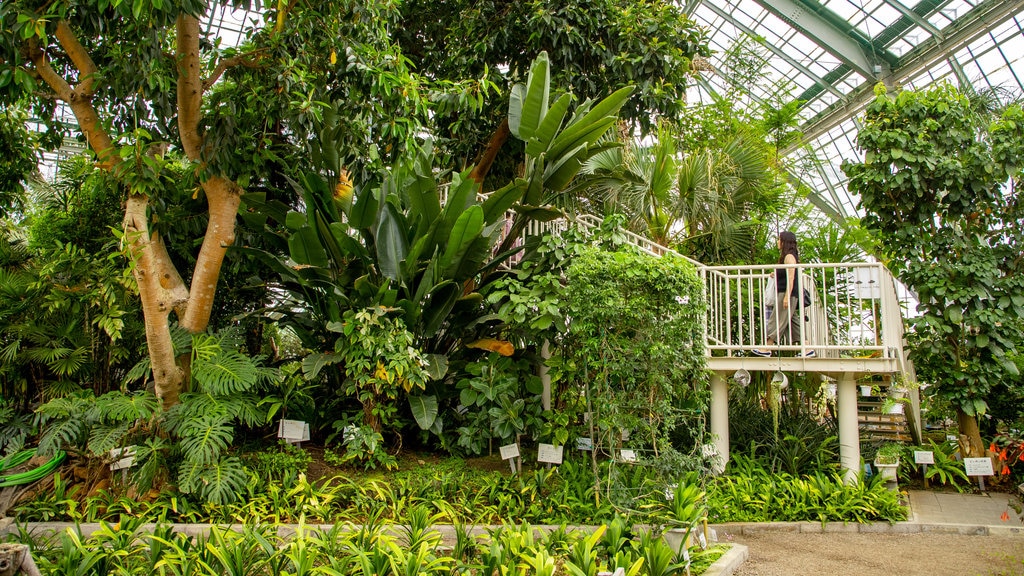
(938, 185)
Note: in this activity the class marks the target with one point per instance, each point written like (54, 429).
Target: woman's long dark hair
(788, 246)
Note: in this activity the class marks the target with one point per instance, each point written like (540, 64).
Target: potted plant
(887, 460)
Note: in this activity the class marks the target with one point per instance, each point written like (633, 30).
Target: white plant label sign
(627, 455)
(584, 444)
(979, 466)
(924, 457)
(549, 453)
(293, 430)
(125, 458)
(509, 451)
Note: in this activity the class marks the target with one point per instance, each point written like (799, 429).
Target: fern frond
(190, 476)
(63, 389)
(47, 355)
(71, 363)
(103, 439)
(204, 439)
(150, 462)
(181, 339)
(9, 353)
(65, 407)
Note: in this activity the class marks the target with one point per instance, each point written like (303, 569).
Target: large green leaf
(535, 103)
(516, 96)
(305, 248)
(467, 228)
(499, 201)
(424, 200)
(329, 240)
(442, 299)
(391, 242)
(437, 366)
(364, 212)
(294, 220)
(424, 410)
(548, 128)
(349, 245)
(313, 363)
(465, 267)
(559, 173)
(579, 135)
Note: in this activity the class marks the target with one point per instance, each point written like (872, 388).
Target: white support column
(849, 431)
(720, 419)
(545, 378)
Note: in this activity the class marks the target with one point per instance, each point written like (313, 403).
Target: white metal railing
(853, 310)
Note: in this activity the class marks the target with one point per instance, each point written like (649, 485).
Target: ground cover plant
(128, 547)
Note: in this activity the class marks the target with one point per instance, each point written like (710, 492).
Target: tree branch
(190, 85)
(87, 70)
(223, 198)
(80, 102)
(483, 165)
(223, 65)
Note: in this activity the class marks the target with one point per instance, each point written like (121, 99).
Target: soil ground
(922, 554)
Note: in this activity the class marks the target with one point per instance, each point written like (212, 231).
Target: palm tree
(700, 202)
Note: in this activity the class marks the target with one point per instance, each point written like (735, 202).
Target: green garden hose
(16, 459)
(32, 475)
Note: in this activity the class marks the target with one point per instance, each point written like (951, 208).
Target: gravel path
(921, 554)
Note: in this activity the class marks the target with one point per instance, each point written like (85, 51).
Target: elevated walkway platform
(850, 314)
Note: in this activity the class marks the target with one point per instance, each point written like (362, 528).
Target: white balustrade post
(849, 431)
(720, 420)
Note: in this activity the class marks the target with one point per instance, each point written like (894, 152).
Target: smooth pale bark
(971, 445)
(161, 288)
(222, 197)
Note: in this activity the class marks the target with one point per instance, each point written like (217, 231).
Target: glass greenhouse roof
(830, 54)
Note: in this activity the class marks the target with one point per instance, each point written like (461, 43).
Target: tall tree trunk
(161, 288)
(971, 445)
(483, 164)
(161, 291)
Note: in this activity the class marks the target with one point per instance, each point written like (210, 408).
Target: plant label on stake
(510, 452)
(585, 444)
(293, 431)
(924, 458)
(979, 467)
(627, 455)
(549, 453)
(125, 458)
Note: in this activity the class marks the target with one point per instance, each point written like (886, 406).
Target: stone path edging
(872, 528)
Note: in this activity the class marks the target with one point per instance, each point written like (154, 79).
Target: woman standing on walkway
(785, 320)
